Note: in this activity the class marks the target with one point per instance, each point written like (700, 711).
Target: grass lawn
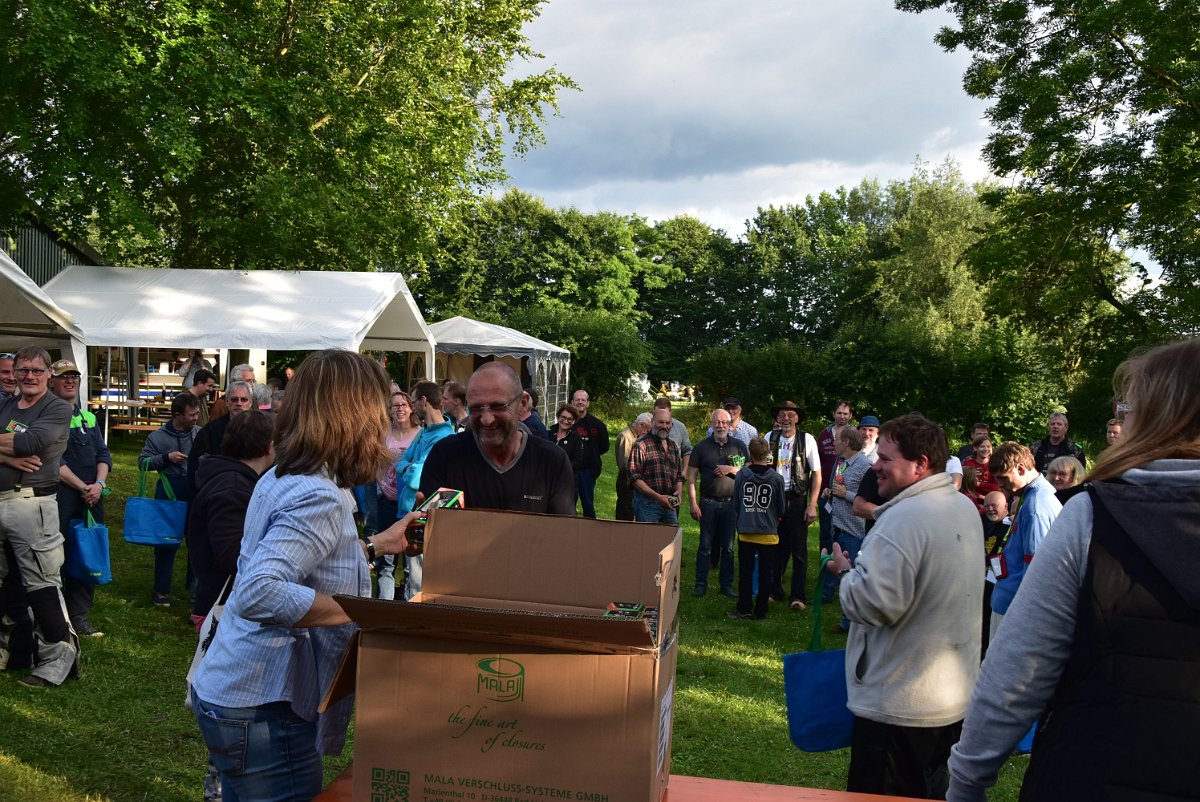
(121, 732)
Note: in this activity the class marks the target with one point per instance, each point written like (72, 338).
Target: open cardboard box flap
(524, 578)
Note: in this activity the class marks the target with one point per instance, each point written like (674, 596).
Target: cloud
(715, 108)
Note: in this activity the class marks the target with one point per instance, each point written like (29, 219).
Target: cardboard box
(503, 681)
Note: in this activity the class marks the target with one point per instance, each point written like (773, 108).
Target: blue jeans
(851, 545)
(717, 522)
(585, 488)
(265, 753)
(648, 511)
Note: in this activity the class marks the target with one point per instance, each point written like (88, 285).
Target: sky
(714, 108)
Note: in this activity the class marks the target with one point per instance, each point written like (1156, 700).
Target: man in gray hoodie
(166, 451)
(913, 598)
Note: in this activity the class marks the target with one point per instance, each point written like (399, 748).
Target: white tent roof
(28, 316)
(462, 335)
(271, 309)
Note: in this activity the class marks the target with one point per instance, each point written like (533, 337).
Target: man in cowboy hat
(797, 460)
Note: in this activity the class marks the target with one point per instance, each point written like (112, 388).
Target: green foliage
(1097, 111)
(261, 135)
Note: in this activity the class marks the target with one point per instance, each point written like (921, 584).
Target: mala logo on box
(500, 679)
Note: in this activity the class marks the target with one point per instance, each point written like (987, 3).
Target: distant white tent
(28, 316)
(461, 341)
(271, 309)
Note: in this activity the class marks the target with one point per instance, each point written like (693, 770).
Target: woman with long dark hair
(282, 635)
(1102, 642)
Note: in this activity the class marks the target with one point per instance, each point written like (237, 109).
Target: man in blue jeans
(716, 460)
(655, 473)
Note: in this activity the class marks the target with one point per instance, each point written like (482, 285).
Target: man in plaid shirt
(655, 473)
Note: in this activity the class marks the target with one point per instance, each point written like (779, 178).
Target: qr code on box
(389, 785)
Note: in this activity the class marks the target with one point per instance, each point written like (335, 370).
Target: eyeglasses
(236, 399)
(8, 356)
(495, 409)
(27, 371)
(68, 377)
(1123, 409)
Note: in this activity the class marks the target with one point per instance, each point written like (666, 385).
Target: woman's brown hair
(335, 419)
(1162, 387)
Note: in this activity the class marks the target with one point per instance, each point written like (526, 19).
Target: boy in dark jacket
(758, 492)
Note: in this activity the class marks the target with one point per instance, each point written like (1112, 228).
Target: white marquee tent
(270, 309)
(28, 316)
(460, 340)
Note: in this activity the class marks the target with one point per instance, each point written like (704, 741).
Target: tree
(1097, 110)
(263, 133)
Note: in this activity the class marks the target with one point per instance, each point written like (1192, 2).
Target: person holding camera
(655, 473)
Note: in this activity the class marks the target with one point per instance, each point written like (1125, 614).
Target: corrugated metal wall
(39, 253)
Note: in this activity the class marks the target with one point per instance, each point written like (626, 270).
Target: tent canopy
(28, 316)
(462, 335)
(271, 309)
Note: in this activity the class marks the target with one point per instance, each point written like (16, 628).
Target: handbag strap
(91, 522)
(141, 479)
(814, 645)
(165, 481)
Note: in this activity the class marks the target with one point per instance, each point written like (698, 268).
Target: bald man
(495, 461)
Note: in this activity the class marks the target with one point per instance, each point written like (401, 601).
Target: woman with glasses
(568, 439)
(1102, 642)
(400, 436)
(282, 635)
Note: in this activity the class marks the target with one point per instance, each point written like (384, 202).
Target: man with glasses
(34, 436)
(239, 398)
(496, 462)
(738, 428)
(595, 444)
(81, 478)
(8, 377)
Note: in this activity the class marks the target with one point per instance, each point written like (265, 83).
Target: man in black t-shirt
(595, 445)
(715, 461)
(495, 461)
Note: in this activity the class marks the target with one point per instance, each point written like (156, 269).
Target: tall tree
(261, 133)
(1097, 111)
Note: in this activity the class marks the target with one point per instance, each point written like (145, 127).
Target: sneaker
(34, 681)
(86, 630)
(160, 599)
(735, 615)
(798, 605)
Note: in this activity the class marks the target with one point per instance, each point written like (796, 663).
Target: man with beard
(496, 462)
(914, 597)
(716, 460)
(81, 478)
(33, 437)
(796, 459)
(655, 473)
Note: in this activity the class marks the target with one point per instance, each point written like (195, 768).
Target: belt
(27, 492)
(717, 500)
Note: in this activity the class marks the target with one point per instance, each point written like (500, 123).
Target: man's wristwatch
(843, 572)
(370, 550)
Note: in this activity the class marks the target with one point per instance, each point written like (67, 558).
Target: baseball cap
(62, 367)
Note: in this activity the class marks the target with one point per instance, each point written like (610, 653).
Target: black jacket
(215, 520)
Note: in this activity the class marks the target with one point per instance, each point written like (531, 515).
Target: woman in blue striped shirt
(282, 635)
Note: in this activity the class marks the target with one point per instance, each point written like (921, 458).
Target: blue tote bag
(815, 685)
(87, 551)
(154, 521)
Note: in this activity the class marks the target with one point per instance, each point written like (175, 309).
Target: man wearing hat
(81, 478)
(738, 428)
(868, 427)
(797, 460)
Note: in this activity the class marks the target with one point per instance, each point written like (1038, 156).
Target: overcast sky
(713, 108)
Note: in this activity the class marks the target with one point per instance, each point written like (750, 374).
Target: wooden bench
(135, 427)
